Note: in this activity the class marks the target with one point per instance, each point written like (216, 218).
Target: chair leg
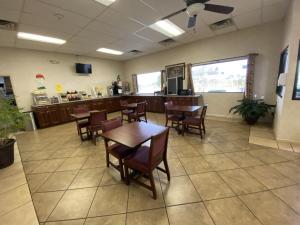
(146, 118)
(167, 121)
(121, 169)
(203, 125)
(183, 129)
(152, 185)
(127, 175)
(107, 158)
(167, 169)
(200, 132)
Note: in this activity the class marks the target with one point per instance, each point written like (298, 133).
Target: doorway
(6, 88)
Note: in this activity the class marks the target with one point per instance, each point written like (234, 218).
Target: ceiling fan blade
(218, 8)
(174, 14)
(192, 21)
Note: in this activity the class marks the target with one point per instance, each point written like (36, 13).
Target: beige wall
(287, 122)
(265, 40)
(22, 66)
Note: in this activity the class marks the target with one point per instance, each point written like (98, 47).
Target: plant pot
(7, 154)
(251, 120)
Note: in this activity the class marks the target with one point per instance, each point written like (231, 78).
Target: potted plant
(11, 121)
(251, 109)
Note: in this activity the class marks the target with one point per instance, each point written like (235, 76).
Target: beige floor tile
(175, 167)
(244, 159)
(187, 150)
(296, 147)
(14, 198)
(94, 162)
(111, 176)
(107, 220)
(12, 182)
(74, 204)
(67, 222)
(30, 166)
(207, 149)
(48, 166)
(36, 155)
(267, 156)
(290, 195)
(151, 217)
(36, 180)
(228, 147)
(269, 209)
(211, 186)
(230, 211)
(288, 154)
(285, 146)
(263, 141)
(110, 200)
(45, 203)
(241, 182)
(190, 214)
(14, 169)
(195, 165)
(220, 162)
(289, 169)
(173, 193)
(72, 163)
(24, 215)
(87, 178)
(269, 176)
(58, 181)
(141, 198)
(65, 153)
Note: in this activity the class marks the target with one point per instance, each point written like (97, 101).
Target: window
(296, 93)
(221, 76)
(149, 82)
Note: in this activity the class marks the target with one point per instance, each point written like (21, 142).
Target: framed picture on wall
(296, 92)
(175, 70)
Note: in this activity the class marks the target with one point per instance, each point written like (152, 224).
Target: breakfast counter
(59, 113)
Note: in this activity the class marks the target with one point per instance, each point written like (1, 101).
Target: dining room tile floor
(221, 180)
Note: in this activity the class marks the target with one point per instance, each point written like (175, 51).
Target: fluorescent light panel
(110, 51)
(106, 2)
(167, 28)
(40, 38)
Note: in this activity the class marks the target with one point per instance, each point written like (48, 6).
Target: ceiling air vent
(8, 25)
(167, 42)
(221, 24)
(135, 52)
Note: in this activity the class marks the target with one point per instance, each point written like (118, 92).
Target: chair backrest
(158, 148)
(141, 107)
(123, 103)
(167, 106)
(96, 118)
(108, 125)
(203, 112)
(80, 109)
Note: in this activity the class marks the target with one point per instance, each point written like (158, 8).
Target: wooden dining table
(133, 134)
(82, 116)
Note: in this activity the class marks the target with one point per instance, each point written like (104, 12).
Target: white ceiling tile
(9, 15)
(93, 37)
(151, 35)
(271, 2)
(274, 12)
(11, 4)
(53, 15)
(103, 28)
(88, 8)
(35, 45)
(7, 38)
(248, 19)
(116, 19)
(165, 7)
(226, 30)
(137, 10)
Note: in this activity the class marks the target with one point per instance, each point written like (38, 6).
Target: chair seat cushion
(127, 111)
(83, 123)
(119, 151)
(175, 117)
(140, 159)
(192, 121)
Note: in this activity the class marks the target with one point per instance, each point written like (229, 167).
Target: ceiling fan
(194, 7)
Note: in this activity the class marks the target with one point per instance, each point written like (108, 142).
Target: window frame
(137, 81)
(222, 61)
(297, 76)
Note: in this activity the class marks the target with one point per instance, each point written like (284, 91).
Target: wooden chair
(117, 150)
(196, 122)
(96, 119)
(146, 159)
(81, 124)
(139, 112)
(176, 119)
(124, 110)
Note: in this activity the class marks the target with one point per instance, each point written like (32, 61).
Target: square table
(82, 116)
(133, 134)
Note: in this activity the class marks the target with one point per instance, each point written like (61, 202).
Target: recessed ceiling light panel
(167, 28)
(40, 38)
(110, 51)
(106, 2)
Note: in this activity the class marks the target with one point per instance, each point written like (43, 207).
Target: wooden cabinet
(65, 110)
(98, 104)
(41, 117)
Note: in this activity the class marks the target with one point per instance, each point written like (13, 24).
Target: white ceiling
(88, 25)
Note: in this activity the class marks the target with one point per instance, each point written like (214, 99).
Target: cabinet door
(42, 119)
(53, 115)
(65, 111)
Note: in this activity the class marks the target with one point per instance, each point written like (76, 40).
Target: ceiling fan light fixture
(105, 2)
(195, 9)
(167, 28)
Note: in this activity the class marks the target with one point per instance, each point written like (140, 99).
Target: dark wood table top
(183, 108)
(133, 134)
(130, 105)
(81, 116)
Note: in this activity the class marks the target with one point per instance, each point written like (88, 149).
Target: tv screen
(83, 68)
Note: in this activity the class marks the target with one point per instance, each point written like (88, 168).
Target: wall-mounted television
(83, 68)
